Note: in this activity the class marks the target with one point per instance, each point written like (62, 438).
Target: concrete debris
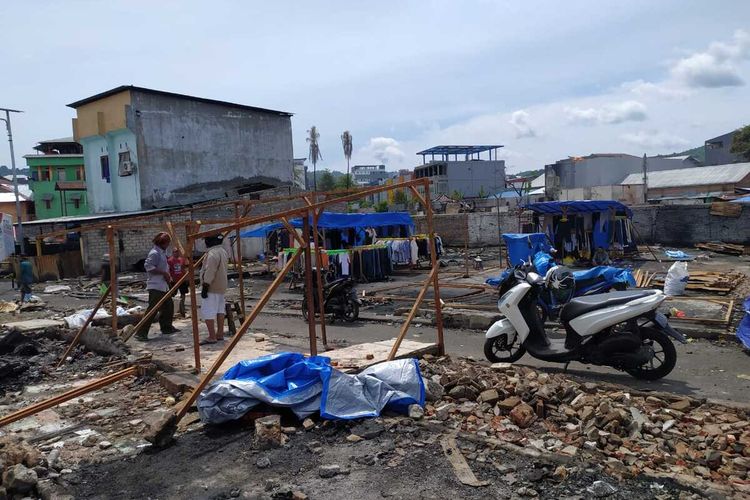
(416, 412)
(329, 471)
(19, 479)
(628, 432)
(263, 462)
(601, 489)
(268, 433)
(308, 424)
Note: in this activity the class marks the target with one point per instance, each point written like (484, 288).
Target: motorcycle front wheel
(351, 311)
(497, 350)
(664, 359)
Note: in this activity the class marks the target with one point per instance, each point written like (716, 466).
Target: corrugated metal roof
(538, 182)
(697, 176)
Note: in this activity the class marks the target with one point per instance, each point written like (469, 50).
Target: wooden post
(319, 277)
(235, 340)
(112, 275)
(436, 274)
(238, 240)
(83, 328)
(466, 247)
(308, 285)
(412, 313)
(193, 299)
(38, 247)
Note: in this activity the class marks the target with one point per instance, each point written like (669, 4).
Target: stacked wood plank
(725, 209)
(720, 247)
(707, 281)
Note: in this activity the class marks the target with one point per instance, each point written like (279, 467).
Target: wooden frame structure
(310, 214)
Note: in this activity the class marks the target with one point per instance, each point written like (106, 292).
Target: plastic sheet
(77, 319)
(743, 329)
(307, 385)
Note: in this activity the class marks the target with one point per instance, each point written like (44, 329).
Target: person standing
(157, 284)
(27, 278)
(213, 288)
(177, 265)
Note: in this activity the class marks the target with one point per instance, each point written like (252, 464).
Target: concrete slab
(360, 356)
(31, 325)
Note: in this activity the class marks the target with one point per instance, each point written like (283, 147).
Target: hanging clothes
(414, 252)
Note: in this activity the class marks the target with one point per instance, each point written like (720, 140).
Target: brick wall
(689, 224)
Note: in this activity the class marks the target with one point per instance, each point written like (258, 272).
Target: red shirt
(176, 267)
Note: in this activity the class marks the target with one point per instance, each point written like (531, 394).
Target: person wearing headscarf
(157, 284)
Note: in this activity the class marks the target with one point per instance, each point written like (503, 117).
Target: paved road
(704, 369)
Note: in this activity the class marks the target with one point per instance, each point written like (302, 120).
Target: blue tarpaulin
(577, 207)
(743, 329)
(744, 199)
(330, 220)
(522, 246)
(307, 385)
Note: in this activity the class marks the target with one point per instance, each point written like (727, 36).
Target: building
(467, 174)
(8, 199)
(369, 175)
(718, 150)
(698, 184)
(300, 173)
(58, 178)
(573, 177)
(147, 148)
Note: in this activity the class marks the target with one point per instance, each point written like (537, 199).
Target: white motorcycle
(623, 330)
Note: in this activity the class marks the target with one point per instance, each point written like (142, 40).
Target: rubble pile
(628, 432)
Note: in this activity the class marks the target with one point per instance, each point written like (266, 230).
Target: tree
(457, 195)
(346, 142)
(400, 198)
(381, 206)
(344, 182)
(327, 181)
(315, 155)
(741, 143)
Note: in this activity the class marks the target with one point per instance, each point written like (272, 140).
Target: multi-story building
(467, 174)
(58, 178)
(369, 175)
(718, 150)
(145, 148)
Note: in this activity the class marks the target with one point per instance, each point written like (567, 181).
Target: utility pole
(19, 227)
(645, 180)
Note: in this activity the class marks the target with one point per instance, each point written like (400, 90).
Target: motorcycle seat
(582, 305)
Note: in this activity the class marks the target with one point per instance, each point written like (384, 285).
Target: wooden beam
(309, 287)
(412, 313)
(112, 275)
(241, 275)
(435, 266)
(74, 342)
(193, 301)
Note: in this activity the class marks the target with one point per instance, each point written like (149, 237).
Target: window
(80, 174)
(45, 173)
(61, 174)
(104, 162)
(77, 202)
(47, 204)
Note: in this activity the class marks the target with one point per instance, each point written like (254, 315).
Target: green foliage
(457, 195)
(400, 198)
(344, 182)
(482, 192)
(381, 206)
(326, 181)
(365, 204)
(741, 142)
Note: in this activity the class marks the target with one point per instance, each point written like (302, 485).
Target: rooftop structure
(700, 176)
(468, 152)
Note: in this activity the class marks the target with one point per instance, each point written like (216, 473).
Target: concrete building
(718, 150)
(8, 200)
(147, 148)
(58, 178)
(603, 170)
(300, 173)
(369, 175)
(467, 173)
(697, 184)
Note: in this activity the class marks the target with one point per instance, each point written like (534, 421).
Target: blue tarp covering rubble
(522, 246)
(743, 329)
(331, 220)
(310, 384)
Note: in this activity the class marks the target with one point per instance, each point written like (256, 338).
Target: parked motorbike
(599, 279)
(339, 298)
(622, 330)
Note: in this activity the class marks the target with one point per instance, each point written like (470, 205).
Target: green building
(58, 179)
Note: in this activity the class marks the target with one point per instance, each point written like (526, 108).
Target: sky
(546, 79)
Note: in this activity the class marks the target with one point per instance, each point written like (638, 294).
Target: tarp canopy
(331, 220)
(744, 199)
(577, 207)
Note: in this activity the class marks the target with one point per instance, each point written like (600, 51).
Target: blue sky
(546, 79)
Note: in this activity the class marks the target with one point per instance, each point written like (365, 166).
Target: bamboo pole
(308, 286)
(235, 340)
(435, 276)
(319, 276)
(412, 313)
(83, 328)
(112, 275)
(241, 271)
(194, 302)
(67, 396)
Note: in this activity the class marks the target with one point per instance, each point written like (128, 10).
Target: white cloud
(717, 66)
(608, 114)
(668, 90)
(520, 122)
(651, 140)
(386, 150)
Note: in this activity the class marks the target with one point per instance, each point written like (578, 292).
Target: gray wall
(721, 155)
(470, 177)
(192, 151)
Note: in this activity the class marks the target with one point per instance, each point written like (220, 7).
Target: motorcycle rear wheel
(665, 356)
(497, 350)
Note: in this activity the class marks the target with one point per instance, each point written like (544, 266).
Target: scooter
(339, 298)
(623, 330)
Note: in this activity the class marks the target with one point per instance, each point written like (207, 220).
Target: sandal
(207, 342)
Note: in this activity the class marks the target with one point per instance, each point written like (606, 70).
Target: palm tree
(315, 155)
(346, 142)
